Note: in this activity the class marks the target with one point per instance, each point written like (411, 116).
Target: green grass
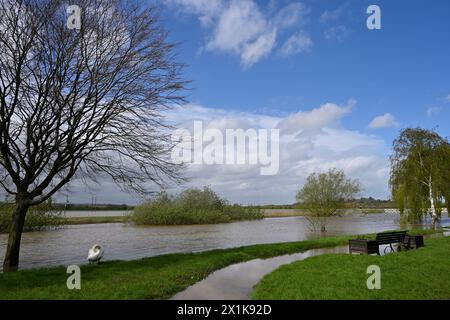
(157, 277)
(415, 274)
(150, 278)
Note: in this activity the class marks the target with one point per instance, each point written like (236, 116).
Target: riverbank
(94, 220)
(266, 213)
(126, 218)
(158, 277)
(413, 274)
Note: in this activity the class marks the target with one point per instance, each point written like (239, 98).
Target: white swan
(95, 254)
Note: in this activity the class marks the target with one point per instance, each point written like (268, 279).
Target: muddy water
(70, 244)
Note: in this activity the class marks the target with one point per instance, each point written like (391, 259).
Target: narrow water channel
(236, 282)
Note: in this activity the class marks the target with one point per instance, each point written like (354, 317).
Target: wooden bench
(391, 238)
(385, 238)
(363, 246)
(413, 242)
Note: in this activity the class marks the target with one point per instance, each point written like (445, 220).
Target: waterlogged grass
(150, 278)
(94, 220)
(416, 274)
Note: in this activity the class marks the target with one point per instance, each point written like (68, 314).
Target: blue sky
(312, 68)
(403, 69)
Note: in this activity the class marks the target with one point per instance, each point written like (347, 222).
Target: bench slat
(391, 237)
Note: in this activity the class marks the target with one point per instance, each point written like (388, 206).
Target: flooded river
(69, 245)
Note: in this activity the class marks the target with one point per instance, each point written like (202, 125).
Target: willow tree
(82, 97)
(324, 194)
(444, 178)
(420, 168)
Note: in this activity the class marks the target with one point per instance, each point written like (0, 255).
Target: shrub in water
(38, 217)
(192, 206)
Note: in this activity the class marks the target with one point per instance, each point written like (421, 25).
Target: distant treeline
(73, 206)
(86, 207)
(366, 203)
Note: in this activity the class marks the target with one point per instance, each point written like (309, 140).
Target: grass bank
(281, 213)
(414, 274)
(157, 277)
(94, 220)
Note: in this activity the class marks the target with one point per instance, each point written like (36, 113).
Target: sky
(339, 92)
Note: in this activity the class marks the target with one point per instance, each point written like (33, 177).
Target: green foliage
(192, 206)
(415, 274)
(38, 217)
(420, 167)
(324, 194)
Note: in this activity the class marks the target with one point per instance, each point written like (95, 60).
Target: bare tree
(82, 102)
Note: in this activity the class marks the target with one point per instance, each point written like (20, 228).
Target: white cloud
(205, 9)
(310, 141)
(337, 33)
(241, 28)
(258, 49)
(433, 110)
(296, 43)
(290, 15)
(334, 15)
(447, 98)
(334, 22)
(385, 121)
(327, 115)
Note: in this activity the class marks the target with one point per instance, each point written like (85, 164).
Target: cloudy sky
(338, 92)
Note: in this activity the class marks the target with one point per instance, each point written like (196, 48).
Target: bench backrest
(391, 237)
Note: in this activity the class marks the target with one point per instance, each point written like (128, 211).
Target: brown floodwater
(70, 244)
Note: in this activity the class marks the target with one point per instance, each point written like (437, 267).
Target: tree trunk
(433, 208)
(11, 262)
(447, 203)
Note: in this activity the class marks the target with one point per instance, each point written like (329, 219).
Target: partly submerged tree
(420, 173)
(82, 102)
(324, 194)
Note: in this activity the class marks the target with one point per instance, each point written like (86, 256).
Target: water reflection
(69, 245)
(235, 282)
